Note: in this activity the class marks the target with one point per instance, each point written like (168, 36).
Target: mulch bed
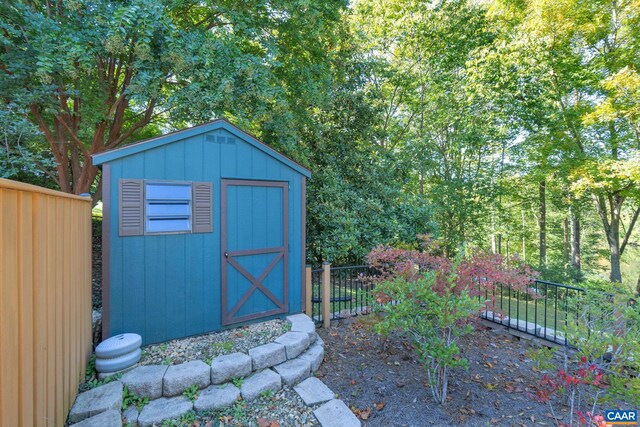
(383, 382)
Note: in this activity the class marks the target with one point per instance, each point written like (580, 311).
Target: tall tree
(92, 75)
(569, 68)
(431, 118)
(542, 221)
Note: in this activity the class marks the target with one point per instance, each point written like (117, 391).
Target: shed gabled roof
(169, 138)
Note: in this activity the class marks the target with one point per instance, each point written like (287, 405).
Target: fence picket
(45, 302)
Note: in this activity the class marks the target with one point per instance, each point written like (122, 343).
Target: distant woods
(510, 126)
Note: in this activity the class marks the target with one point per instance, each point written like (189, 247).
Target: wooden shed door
(255, 251)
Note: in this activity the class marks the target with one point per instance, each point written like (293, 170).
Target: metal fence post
(326, 294)
(308, 292)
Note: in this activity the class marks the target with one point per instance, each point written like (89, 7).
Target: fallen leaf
(226, 419)
(274, 424)
(362, 413)
(379, 406)
(488, 364)
(353, 382)
(263, 422)
(490, 386)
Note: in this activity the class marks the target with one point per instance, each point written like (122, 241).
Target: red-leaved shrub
(478, 274)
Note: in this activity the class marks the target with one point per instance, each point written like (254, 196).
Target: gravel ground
(284, 408)
(206, 347)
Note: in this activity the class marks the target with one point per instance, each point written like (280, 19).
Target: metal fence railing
(545, 311)
(316, 295)
(349, 289)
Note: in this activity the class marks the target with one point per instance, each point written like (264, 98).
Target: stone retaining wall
(290, 359)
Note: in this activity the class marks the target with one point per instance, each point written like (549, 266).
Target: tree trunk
(565, 240)
(616, 272)
(576, 261)
(542, 222)
(614, 249)
(524, 239)
(611, 222)
(493, 234)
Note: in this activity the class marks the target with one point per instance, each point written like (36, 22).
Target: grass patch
(192, 393)
(131, 399)
(534, 311)
(224, 346)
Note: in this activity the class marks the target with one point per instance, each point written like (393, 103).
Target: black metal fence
(544, 311)
(316, 294)
(350, 290)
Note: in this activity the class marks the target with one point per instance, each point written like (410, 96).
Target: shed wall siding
(168, 286)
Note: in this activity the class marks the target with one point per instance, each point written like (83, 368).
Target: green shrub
(433, 319)
(603, 369)
(601, 285)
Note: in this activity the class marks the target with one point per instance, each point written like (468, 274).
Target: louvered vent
(131, 207)
(202, 207)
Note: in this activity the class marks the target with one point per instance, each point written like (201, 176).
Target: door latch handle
(226, 254)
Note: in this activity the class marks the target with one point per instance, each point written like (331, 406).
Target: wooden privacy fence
(45, 302)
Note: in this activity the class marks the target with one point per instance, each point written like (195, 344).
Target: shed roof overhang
(159, 141)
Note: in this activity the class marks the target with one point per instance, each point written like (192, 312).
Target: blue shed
(203, 229)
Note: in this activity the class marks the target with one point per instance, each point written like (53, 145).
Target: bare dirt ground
(385, 385)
